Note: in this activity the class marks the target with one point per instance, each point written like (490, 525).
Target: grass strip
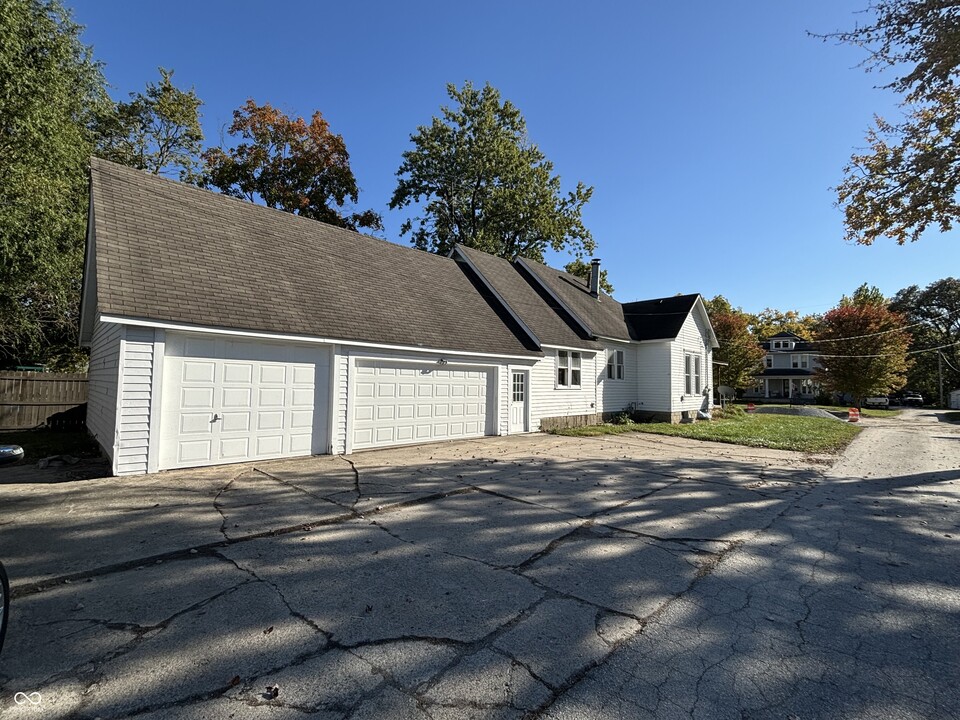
(778, 432)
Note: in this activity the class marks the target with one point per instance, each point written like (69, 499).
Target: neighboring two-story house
(788, 370)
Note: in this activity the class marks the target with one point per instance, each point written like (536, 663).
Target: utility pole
(940, 370)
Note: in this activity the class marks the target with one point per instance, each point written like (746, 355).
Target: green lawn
(39, 444)
(865, 412)
(780, 432)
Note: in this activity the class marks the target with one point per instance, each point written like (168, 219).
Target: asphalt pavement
(543, 577)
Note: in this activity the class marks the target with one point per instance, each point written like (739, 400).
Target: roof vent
(595, 277)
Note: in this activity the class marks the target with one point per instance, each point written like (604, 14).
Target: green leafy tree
(934, 314)
(908, 177)
(863, 346)
(51, 91)
(769, 322)
(157, 130)
(583, 269)
(739, 347)
(481, 182)
(288, 164)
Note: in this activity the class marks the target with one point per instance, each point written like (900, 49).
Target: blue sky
(710, 131)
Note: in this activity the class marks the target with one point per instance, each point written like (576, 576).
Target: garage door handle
(215, 417)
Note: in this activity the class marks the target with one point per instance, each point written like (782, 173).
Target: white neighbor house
(222, 331)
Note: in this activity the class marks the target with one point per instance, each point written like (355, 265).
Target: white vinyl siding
(342, 383)
(136, 395)
(654, 384)
(691, 341)
(617, 395)
(104, 381)
(546, 400)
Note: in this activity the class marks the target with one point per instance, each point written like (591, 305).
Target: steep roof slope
(535, 310)
(172, 252)
(603, 317)
(659, 319)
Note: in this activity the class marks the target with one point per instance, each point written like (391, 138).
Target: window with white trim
(568, 369)
(795, 361)
(769, 361)
(615, 365)
(691, 372)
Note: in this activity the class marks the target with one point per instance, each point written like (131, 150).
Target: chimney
(595, 278)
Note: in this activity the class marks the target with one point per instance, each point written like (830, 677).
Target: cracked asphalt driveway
(541, 577)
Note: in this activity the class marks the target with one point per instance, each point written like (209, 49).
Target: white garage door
(401, 403)
(228, 400)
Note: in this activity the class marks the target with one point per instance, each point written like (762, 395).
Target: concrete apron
(475, 579)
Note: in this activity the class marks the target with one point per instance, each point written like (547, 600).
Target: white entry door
(519, 391)
(398, 403)
(227, 400)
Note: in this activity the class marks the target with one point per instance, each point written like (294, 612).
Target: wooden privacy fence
(30, 399)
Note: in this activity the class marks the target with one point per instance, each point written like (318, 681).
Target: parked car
(912, 398)
(877, 401)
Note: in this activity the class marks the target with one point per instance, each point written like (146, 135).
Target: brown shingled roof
(167, 251)
(535, 310)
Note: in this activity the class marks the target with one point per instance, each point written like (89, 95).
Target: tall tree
(908, 178)
(934, 313)
(739, 347)
(863, 346)
(769, 322)
(482, 183)
(583, 269)
(50, 92)
(157, 130)
(288, 164)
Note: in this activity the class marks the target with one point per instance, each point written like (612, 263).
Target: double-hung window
(691, 372)
(615, 365)
(568, 369)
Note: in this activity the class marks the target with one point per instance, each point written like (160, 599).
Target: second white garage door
(401, 403)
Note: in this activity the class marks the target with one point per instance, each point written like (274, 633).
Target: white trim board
(185, 327)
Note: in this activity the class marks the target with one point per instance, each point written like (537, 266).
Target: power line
(910, 352)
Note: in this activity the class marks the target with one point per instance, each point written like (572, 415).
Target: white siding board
(342, 369)
(616, 395)
(547, 400)
(653, 377)
(692, 338)
(135, 402)
(103, 385)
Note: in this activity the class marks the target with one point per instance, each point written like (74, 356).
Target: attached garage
(397, 403)
(230, 400)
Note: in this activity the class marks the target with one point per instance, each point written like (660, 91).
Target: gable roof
(601, 317)
(166, 251)
(541, 315)
(658, 319)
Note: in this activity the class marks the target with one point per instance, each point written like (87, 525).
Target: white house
(222, 331)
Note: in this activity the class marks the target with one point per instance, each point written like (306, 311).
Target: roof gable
(542, 317)
(166, 251)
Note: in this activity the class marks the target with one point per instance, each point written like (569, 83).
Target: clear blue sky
(710, 131)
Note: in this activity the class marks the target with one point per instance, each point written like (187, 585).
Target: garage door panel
(195, 423)
(234, 448)
(194, 371)
(199, 398)
(195, 451)
(248, 400)
(235, 397)
(237, 372)
(270, 420)
(437, 410)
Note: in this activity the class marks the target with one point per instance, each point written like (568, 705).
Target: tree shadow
(579, 581)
